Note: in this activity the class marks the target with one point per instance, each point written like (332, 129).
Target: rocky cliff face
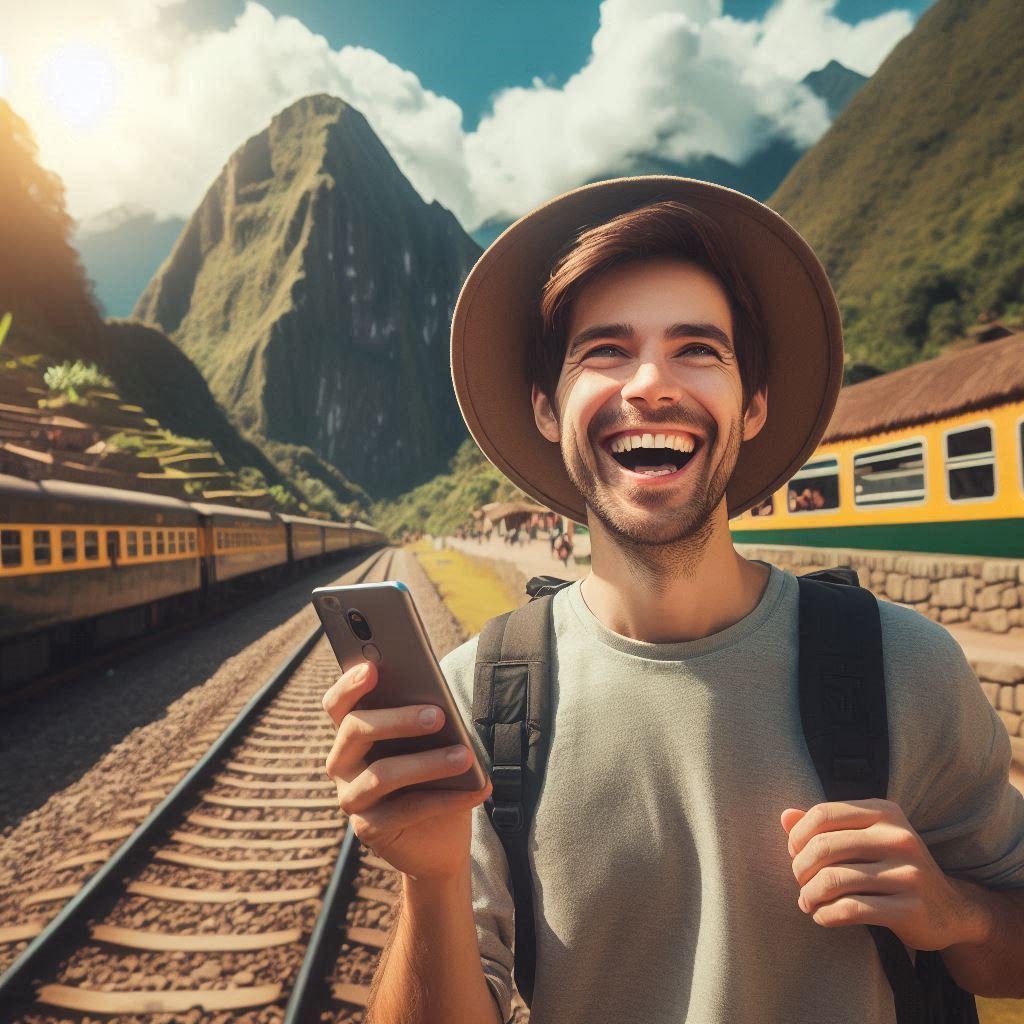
(314, 289)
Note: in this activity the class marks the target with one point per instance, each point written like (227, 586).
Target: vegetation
(322, 485)
(473, 595)
(442, 504)
(70, 379)
(914, 199)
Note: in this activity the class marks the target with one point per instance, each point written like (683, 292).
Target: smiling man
(616, 353)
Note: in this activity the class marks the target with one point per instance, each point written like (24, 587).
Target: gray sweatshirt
(664, 892)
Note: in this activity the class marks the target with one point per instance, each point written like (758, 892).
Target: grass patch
(1000, 1011)
(473, 595)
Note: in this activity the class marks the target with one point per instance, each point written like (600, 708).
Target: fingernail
(456, 756)
(428, 716)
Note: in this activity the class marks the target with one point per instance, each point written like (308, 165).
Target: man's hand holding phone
(423, 833)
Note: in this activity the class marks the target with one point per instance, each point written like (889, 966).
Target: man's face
(650, 361)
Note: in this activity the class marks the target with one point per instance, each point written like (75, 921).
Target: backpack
(842, 710)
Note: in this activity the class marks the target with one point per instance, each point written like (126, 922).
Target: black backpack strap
(845, 723)
(512, 715)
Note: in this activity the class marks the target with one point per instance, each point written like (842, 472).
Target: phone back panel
(408, 672)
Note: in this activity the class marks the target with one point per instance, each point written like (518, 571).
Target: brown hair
(667, 228)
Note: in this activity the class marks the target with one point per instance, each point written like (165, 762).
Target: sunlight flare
(80, 82)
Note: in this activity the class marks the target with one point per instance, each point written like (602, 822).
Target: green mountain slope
(314, 288)
(914, 199)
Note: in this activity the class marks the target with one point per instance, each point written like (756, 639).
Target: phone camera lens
(359, 625)
(331, 604)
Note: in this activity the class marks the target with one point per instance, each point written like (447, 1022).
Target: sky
(488, 106)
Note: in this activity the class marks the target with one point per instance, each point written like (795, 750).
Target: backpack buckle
(508, 783)
(507, 817)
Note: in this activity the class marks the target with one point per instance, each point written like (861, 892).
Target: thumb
(790, 816)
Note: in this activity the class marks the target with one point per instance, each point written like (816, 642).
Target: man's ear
(544, 415)
(756, 414)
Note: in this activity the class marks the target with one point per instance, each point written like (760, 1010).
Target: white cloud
(673, 79)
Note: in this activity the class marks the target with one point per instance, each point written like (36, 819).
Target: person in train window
(684, 865)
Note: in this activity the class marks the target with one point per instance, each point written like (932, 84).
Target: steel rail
(101, 892)
(308, 991)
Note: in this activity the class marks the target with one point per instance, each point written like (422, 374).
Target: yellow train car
(929, 458)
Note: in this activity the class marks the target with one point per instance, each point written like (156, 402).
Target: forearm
(993, 966)
(430, 972)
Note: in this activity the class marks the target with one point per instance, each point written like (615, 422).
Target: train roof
(64, 490)
(305, 520)
(232, 510)
(958, 382)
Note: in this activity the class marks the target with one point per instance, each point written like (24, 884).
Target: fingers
(405, 810)
(343, 696)
(359, 730)
(383, 777)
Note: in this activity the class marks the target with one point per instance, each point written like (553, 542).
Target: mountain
(836, 85)
(314, 290)
(760, 175)
(122, 249)
(914, 198)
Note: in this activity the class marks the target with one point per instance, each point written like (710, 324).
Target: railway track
(241, 897)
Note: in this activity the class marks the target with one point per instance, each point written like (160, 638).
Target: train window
(147, 542)
(970, 464)
(41, 547)
(181, 541)
(766, 508)
(68, 546)
(815, 488)
(92, 545)
(133, 544)
(113, 546)
(10, 547)
(893, 475)
(160, 542)
(191, 541)
(172, 546)
(220, 539)
(1020, 451)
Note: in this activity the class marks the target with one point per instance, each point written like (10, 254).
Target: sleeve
(493, 907)
(950, 755)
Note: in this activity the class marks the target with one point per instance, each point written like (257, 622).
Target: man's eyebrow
(599, 331)
(700, 329)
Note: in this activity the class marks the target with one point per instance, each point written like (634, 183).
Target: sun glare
(80, 81)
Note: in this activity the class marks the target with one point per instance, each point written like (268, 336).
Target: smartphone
(378, 622)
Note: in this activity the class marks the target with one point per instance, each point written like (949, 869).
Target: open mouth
(656, 457)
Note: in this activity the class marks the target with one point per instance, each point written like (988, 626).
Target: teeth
(627, 442)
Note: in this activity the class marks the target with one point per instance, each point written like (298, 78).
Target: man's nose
(652, 383)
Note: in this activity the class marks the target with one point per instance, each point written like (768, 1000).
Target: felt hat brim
(496, 309)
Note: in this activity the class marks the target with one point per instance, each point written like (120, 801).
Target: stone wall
(984, 594)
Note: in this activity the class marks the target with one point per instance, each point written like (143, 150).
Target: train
(929, 458)
(83, 568)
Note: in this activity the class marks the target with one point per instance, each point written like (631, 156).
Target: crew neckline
(778, 584)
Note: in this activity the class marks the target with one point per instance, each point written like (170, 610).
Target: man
(616, 354)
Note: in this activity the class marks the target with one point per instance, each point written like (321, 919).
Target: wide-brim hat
(496, 312)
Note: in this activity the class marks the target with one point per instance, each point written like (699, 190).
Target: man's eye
(700, 350)
(603, 350)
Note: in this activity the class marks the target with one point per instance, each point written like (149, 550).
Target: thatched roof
(499, 510)
(955, 383)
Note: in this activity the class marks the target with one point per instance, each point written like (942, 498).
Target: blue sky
(489, 107)
(468, 50)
